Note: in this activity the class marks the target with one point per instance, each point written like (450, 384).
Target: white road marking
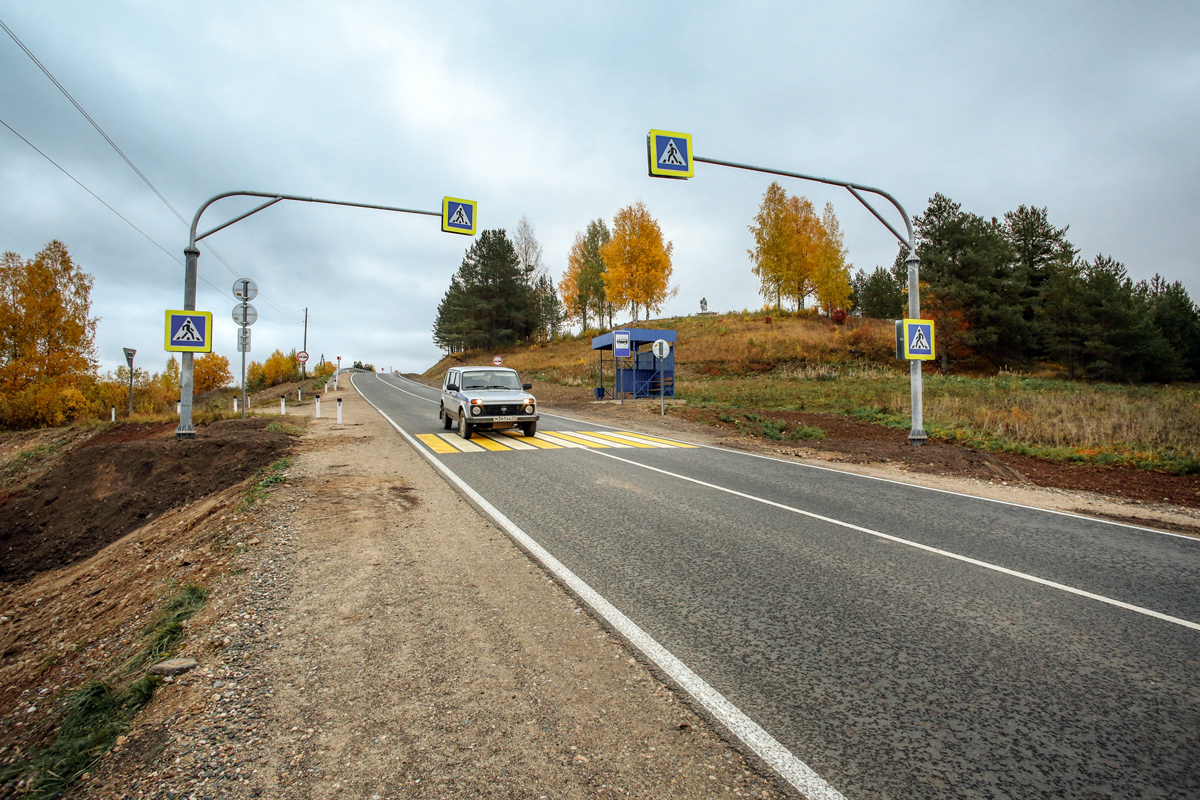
(966, 559)
(765, 746)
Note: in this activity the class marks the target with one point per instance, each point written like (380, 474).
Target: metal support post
(916, 436)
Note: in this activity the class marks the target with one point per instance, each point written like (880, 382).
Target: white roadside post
(318, 406)
(235, 405)
(114, 414)
(339, 411)
(282, 405)
(298, 398)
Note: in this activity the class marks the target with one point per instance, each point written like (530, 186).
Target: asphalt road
(900, 642)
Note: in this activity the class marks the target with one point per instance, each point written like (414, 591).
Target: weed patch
(266, 478)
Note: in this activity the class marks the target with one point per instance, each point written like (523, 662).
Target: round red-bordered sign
(302, 357)
(497, 361)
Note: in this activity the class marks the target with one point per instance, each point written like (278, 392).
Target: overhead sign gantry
(670, 155)
(461, 220)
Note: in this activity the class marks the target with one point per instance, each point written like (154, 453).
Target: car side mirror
(451, 387)
(527, 386)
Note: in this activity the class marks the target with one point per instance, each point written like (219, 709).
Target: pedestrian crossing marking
(582, 438)
(645, 437)
(620, 441)
(489, 444)
(553, 439)
(508, 440)
(435, 444)
(533, 441)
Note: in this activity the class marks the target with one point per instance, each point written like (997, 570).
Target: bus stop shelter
(640, 375)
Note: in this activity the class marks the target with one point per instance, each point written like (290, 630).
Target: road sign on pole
(245, 314)
(621, 344)
(670, 154)
(188, 332)
(245, 289)
(302, 357)
(458, 216)
(918, 339)
(497, 361)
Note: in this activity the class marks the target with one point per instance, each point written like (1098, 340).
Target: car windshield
(490, 380)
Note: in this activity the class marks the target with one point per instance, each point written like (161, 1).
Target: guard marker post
(282, 405)
(339, 411)
(318, 406)
(114, 414)
(235, 405)
(298, 396)
(670, 156)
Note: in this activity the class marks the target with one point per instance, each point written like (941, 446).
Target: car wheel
(464, 427)
(529, 428)
(447, 423)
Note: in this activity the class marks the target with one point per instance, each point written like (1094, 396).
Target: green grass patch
(164, 632)
(266, 478)
(808, 432)
(283, 427)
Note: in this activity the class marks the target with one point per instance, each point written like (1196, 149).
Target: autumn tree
(789, 245)
(582, 286)
(47, 338)
(831, 277)
(281, 368)
(637, 263)
(210, 371)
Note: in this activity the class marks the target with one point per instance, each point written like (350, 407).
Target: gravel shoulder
(376, 638)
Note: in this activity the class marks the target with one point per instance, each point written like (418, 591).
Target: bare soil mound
(116, 482)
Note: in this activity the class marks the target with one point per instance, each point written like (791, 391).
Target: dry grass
(757, 361)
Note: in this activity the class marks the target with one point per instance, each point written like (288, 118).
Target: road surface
(873, 639)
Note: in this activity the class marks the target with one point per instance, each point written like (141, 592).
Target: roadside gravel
(375, 638)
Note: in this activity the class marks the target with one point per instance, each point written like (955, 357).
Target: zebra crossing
(509, 441)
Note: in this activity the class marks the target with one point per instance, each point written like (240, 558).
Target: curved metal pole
(916, 436)
(192, 258)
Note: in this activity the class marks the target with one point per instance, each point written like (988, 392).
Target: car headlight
(529, 408)
(476, 410)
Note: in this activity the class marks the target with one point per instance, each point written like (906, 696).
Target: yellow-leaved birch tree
(832, 275)
(637, 262)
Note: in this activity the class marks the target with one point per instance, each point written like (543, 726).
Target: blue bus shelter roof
(636, 336)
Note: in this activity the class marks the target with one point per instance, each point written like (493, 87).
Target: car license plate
(504, 419)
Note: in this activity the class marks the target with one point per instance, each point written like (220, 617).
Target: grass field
(756, 361)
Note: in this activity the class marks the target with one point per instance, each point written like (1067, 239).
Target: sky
(540, 110)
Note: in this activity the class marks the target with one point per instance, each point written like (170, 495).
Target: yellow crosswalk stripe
(505, 438)
(435, 444)
(648, 438)
(532, 441)
(620, 441)
(460, 444)
(579, 438)
(554, 439)
(491, 444)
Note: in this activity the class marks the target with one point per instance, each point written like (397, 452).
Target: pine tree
(488, 304)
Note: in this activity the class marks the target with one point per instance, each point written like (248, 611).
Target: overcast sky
(541, 110)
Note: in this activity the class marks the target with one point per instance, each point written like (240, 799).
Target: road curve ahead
(891, 641)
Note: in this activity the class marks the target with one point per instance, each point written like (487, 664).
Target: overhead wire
(127, 160)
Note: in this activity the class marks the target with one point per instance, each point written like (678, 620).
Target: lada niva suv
(486, 398)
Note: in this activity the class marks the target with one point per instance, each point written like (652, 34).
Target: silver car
(486, 398)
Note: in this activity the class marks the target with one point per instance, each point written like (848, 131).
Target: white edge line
(908, 542)
(779, 758)
(893, 481)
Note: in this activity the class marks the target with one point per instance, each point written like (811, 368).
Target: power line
(119, 152)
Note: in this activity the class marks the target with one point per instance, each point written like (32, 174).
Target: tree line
(1013, 292)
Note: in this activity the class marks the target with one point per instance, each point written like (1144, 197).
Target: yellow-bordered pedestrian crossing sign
(189, 332)
(918, 339)
(458, 216)
(670, 154)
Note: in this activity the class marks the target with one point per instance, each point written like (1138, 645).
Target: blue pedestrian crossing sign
(189, 332)
(918, 339)
(458, 216)
(670, 154)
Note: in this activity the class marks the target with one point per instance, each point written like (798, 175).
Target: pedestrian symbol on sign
(919, 342)
(187, 332)
(671, 155)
